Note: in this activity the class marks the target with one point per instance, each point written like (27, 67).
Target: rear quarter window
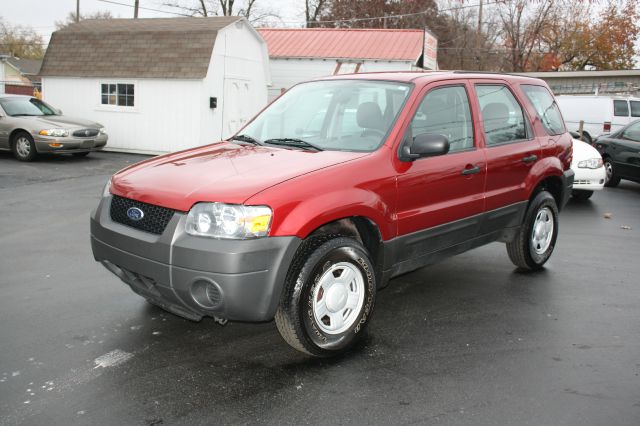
(546, 108)
(620, 108)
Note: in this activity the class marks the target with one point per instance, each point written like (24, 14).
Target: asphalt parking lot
(469, 341)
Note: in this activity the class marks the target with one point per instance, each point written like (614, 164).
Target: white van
(601, 114)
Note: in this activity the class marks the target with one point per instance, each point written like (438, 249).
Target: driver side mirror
(426, 145)
(59, 111)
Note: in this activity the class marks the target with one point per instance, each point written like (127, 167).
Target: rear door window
(546, 108)
(620, 108)
(502, 116)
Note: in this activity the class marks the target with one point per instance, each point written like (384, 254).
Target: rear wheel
(536, 239)
(611, 178)
(23, 147)
(328, 296)
(581, 195)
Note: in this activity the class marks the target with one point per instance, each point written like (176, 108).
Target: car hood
(224, 172)
(60, 121)
(582, 151)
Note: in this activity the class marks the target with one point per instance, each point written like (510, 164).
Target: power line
(145, 8)
(398, 16)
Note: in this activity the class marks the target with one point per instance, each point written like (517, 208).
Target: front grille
(155, 218)
(86, 133)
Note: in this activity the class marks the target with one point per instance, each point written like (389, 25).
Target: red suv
(336, 187)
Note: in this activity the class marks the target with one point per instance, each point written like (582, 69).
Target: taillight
(607, 126)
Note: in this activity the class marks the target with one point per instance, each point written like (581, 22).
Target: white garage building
(302, 54)
(158, 85)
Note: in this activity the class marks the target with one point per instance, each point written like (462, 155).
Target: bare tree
(522, 25)
(71, 18)
(313, 9)
(205, 8)
(20, 41)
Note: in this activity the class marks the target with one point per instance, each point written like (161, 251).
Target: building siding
(288, 72)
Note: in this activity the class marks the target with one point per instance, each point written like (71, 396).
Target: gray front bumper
(69, 144)
(243, 278)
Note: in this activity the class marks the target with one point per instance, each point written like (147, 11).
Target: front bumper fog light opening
(206, 294)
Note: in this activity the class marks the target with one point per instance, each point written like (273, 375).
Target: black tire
(316, 262)
(23, 147)
(611, 180)
(80, 154)
(581, 195)
(523, 250)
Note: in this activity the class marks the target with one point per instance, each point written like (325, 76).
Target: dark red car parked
(335, 188)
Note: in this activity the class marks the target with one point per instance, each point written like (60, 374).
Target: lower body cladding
(190, 276)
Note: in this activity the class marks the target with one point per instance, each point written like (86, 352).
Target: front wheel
(81, 154)
(24, 149)
(328, 297)
(536, 239)
(611, 178)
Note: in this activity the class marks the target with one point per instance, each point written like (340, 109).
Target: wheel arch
(364, 230)
(551, 184)
(13, 134)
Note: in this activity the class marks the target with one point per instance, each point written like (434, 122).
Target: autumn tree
(71, 18)
(609, 43)
(20, 41)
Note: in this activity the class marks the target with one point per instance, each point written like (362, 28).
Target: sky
(42, 14)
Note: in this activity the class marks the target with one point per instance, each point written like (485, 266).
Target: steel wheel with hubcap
(328, 296)
(536, 239)
(24, 149)
(542, 231)
(338, 298)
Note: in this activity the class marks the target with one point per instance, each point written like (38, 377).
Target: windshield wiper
(298, 143)
(25, 115)
(246, 138)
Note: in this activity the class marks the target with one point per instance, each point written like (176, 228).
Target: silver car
(28, 127)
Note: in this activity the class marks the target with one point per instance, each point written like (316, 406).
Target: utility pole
(135, 9)
(479, 34)
(77, 10)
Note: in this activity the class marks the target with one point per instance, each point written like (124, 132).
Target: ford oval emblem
(135, 213)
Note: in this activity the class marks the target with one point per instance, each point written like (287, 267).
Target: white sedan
(589, 170)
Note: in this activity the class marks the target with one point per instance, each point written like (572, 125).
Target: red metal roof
(405, 45)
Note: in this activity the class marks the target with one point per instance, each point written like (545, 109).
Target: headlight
(591, 163)
(54, 132)
(103, 131)
(107, 188)
(232, 221)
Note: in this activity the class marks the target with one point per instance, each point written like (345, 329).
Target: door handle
(530, 159)
(471, 171)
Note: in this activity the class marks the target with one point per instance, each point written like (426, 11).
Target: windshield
(19, 106)
(340, 115)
